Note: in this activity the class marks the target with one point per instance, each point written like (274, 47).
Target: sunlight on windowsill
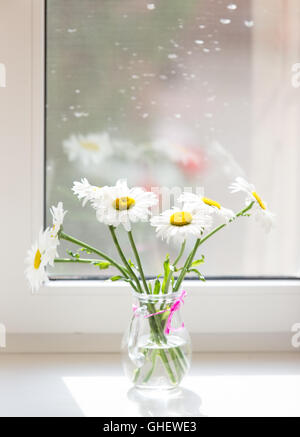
(222, 395)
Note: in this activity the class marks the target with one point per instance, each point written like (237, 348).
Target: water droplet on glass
(172, 56)
(72, 30)
(81, 114)
(225, 21)
(199, 41)
(135, 76)
(249, 23)
(206, 50)
(77, 91)
(232, 7)
(177, 116)
(211, 98)
(202, 26)
(146, 115)
(151, 6)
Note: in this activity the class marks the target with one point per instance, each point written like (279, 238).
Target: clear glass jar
(156, 348)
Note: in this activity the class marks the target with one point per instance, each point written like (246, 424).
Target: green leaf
(103, 265)
(126, 279)
(131, 263)
(156, 287)
(133, 266)
(165, 315)
(120, 278)
(200, 276)
(73, 254)
(150, 287)
(83, 249)
(166, 272)
(173, 282)
(198, 262)
(116, 278)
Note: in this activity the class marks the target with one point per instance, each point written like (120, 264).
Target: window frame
(280, 298)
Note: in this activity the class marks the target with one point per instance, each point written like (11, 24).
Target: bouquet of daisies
(121, 207)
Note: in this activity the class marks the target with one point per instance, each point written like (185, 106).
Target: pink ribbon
(175, 307)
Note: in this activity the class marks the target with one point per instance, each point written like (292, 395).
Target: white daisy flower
(123, 205)
(179, 224)
(88, 149)
(175, 151)
(260, 209)
(41, 254)
(86, 192)
(58, 215)
(211, 206)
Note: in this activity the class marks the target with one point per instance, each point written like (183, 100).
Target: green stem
(150, 373)
(165, 360)
(63, 236)
(123, 258)
(181, 357)
(167, 285)
(160, 339)
(138, 260)
(185, 268)
(199, 242)
(180, 254)
(70, 260)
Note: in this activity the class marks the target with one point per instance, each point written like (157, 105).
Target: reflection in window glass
(178, 93)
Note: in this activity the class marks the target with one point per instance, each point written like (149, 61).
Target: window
(235, 315)
(172, 93)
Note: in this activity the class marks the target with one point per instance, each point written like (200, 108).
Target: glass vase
(156, 349)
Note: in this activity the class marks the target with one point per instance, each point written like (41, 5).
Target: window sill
(211, 287)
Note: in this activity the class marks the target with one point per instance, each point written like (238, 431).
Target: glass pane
(178, 94)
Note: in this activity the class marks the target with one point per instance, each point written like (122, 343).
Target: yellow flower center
(123, 203)
(88, 145)
(259, 200)
(181, 218)
(211, 202)
(37, 259)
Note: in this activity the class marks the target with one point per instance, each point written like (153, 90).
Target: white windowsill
(210, 287)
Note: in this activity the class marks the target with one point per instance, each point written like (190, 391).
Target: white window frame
(261, 311)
